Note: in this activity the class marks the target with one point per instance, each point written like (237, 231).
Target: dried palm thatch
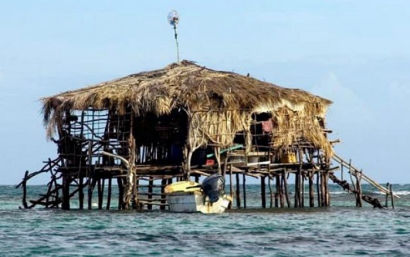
(218, 104)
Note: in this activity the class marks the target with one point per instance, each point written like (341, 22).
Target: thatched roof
(201, 91)
(184, 85)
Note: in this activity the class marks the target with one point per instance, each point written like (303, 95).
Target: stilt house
(179, 123)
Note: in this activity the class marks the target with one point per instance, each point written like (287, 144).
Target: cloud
(348, 107)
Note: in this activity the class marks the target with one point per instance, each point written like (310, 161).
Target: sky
(355, 53)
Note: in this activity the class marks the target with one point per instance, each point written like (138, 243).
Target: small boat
(189, 196)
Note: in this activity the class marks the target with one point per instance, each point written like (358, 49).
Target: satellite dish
(173, 18)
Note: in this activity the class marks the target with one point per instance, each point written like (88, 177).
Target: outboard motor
(213, 187)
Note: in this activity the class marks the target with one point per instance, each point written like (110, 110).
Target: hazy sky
(356, 53)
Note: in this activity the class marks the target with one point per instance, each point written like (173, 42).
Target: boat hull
(189, 202)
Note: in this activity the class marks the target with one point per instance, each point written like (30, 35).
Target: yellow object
(182, 186)
(289, 157)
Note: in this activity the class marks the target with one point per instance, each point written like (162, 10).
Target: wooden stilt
(230, 186)
(277, 180)
(81, 193)
(120, 193)
(270, 192)
(238, 193)
(163, 200)
(285, 187)
(24, 184)
(391, 196)
(109, 193)
(150, 187)
(297, 184)
(136, 198)
(359, 190)
(302, 186)
(327, 188)
(322, 189)
(244, 189)
(263, 192)
(318, 189)
(311, 190)
(100, 193)
(387, 196)
(66, 193)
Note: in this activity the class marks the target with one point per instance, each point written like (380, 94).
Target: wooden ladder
(356, 172)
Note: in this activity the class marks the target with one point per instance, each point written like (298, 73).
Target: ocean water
(339, 230)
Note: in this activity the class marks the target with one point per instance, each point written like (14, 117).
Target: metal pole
(176, 41)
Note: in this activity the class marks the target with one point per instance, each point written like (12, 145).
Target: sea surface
(339, 230)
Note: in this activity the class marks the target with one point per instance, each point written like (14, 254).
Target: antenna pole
(176, 41)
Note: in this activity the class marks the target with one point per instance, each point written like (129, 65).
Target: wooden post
(297, 184)
(230, 186)
(244, 189)
(163, 200)
(238, 193)
(24, 200)
(90, 175)
(302, 185)
(327, 189)
(99, 191)
(387, 196)
(391, 196)
(65, 205)
(136, 199)
(285, 187)
(311, 190)
(270, 192)
(81, 192)
(120, 193)
(359, 190)
(109, 193)
(277, 190)
(263, 196)
(281, 196)
(322, 189)
(150, 186)
(319, 196)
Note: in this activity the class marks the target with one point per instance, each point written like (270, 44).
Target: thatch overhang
(197, 89)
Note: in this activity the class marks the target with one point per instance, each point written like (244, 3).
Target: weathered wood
(285, 187)
(24, 184)
(120, 193)
(238, 192)
(345, 185)
(302, 186)
(297, 185)
(281, 193)
(109, 193)
(244, 189)
(151, 183)
(163, 196)
(319, 195)
(81, 193)
(230, 186)
(100, 187)
(263, 192)
(387, 196)
(322, 189)
(391, 196)
(311, 190)
(66, 193)
(358, 190)
(270, 192)
(277, 190)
